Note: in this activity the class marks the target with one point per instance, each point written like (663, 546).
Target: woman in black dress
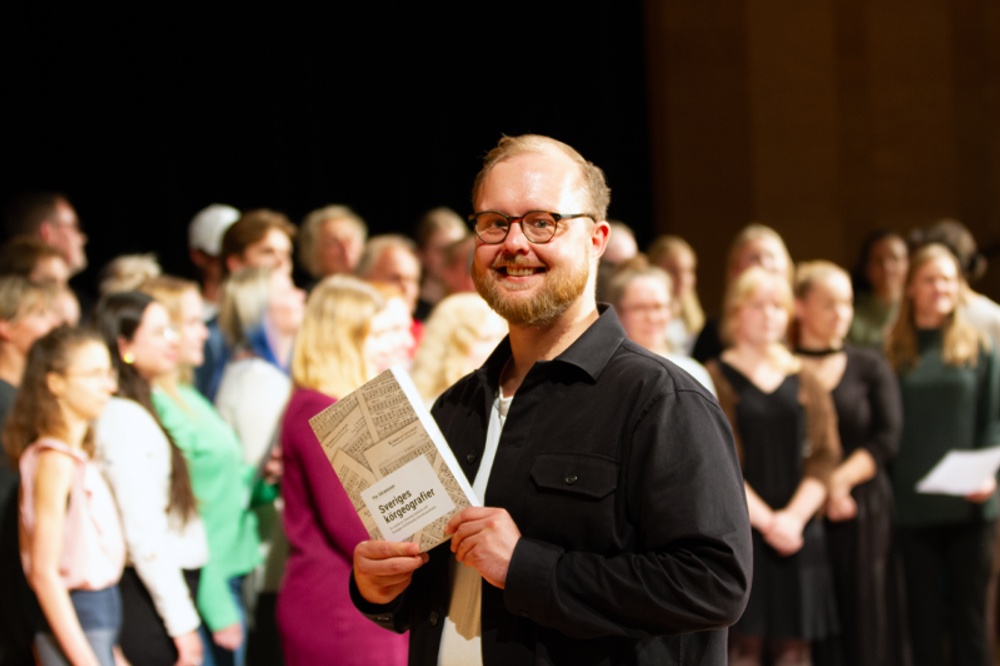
(859, 505)
(786, 437)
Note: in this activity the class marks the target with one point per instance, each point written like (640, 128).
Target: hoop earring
(128, 358)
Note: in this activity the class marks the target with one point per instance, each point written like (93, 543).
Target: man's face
(432, 256)
(274, 250)
(340, 246)
(402, 268)
(62, 231)
(531, 284)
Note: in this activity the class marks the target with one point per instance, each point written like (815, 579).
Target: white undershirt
(461, 643)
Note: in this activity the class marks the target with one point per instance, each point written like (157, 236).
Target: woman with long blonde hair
(785, 431)
(337, 350)
(949, 380)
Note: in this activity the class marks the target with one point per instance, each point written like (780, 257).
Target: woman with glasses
(71, 540)
(165, 536)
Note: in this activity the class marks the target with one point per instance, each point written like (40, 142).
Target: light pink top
(93, 551)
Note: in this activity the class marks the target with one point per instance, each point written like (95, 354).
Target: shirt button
(471, 457)
(434, 617)
(571, 479)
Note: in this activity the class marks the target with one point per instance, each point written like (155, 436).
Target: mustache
(515, 261)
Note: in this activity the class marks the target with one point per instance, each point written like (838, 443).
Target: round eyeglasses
(538, 226)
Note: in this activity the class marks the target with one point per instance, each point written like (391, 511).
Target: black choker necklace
(819, 353)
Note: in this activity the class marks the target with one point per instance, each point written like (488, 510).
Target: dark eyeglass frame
(556, 218)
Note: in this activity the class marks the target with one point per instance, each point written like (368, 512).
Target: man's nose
(516, 240)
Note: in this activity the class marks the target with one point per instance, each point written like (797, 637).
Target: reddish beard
(560, 288)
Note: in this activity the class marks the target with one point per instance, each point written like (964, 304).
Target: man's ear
(599, 236)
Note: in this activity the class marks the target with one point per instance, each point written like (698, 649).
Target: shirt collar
(590, 352)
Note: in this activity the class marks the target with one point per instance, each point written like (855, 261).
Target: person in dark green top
(950, 387)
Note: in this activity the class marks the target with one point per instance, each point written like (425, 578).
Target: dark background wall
(825, 120)
(388, 108)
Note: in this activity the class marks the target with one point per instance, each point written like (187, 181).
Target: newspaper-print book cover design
(393, 461)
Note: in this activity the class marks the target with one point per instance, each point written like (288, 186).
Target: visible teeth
(519, 272)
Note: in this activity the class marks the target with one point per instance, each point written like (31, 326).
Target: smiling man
(614, 528)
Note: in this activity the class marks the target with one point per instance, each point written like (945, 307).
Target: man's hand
(383, 569)
(785, 534)
(484, 538)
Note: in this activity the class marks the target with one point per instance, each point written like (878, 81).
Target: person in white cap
(205, 247)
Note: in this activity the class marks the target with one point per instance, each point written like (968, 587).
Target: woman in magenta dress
(346, 338)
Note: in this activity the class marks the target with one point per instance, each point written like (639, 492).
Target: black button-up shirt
(621, 474)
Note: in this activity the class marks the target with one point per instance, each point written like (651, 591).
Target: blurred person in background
(458, 337)
(51, 217)
(642, 296)
(392, 259)
(859, 499)
(878, 278)
(621, 248)
(205, 232)
(978, 309)
(674, 255)
(435, 232)
(342, 344)
(949, 380)
(331, 241)
(26, 314)
(34, 259)
(149, 477)
(30, 257)
(71, 543)
(786, 435)
(260, 237)
(227, 488)
(261, 312)
(126, 272)
(755, 245)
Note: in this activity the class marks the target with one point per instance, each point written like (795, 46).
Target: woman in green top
(227, 488)
(949, 382)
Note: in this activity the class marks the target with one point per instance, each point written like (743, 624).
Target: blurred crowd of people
(205, 526)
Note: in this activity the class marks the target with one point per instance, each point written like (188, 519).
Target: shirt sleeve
(690, 564)
(887, 410)
(131, 448)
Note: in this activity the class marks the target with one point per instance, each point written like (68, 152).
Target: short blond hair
(591, 176)
(244, 299)
(328, 354)
(127, 272)
(739, 292)
(309, 233)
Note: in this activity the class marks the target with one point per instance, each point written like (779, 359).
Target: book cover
(393, 461)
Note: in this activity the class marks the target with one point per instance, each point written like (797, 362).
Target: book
(393, 461)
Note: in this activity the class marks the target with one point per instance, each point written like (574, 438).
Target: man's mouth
(520, 271)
